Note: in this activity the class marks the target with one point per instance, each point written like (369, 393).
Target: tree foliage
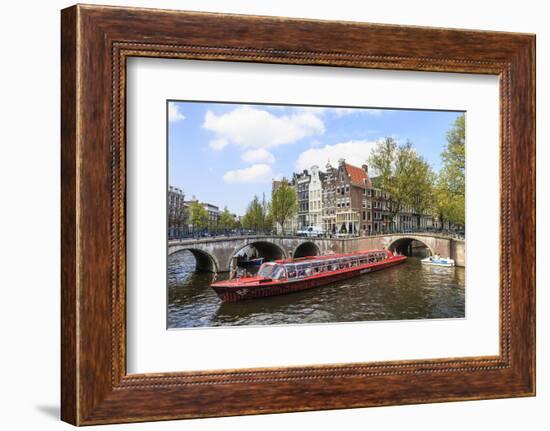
(268, 217)
(383, 160)
(454, 157)
(227, 221)
(405, 175)
(421, 196)
(451, 184)
(284, 204)
(198, 215)
(255, 217)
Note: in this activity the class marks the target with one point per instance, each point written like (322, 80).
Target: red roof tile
(358, 176)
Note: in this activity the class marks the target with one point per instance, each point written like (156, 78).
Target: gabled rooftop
(358, 176)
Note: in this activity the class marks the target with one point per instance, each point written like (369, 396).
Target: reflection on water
(408, 291)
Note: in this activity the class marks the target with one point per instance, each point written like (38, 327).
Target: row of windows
(315, 205)
(342, 190)
(321, 266)
(314, 194)
(376, 193)
(346, 216)
(366, 215)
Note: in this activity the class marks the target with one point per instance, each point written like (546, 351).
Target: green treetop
(451, 182)
(284, 204)
(454, 156)
(227, 221)
(403, 174)
(198, 215)
(421, 194)
(255, 216)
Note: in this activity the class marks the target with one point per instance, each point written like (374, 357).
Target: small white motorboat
(438, 261)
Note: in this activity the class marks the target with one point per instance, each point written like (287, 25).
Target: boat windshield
(271, 270)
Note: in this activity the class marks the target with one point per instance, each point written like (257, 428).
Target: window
(278, 273)
(266, 270)
(291, 271)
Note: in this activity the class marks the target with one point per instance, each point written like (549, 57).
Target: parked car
(311, 232)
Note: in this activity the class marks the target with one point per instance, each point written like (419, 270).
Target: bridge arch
(266, 249)
(306, 248)
(205, 262)
(402, 244)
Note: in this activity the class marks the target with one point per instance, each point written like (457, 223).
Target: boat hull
(232, 293)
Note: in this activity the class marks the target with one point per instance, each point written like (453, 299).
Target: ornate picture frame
(96, 41)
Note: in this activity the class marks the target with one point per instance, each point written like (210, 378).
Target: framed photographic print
(286, 215)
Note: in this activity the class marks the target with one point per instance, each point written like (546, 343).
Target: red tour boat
(285, 276)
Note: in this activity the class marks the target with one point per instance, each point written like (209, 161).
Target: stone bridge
(215, 254)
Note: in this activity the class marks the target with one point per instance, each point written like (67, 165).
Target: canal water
(407, 291)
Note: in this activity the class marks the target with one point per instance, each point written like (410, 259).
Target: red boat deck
(286, 276)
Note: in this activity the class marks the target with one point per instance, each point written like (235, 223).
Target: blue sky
(225, 153)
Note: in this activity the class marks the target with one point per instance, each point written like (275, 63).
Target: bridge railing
(180, 234)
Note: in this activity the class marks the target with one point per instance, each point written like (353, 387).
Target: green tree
(266, 208)
(394, 167)
(421, 196)
(284, 204)
(404, 175)
(198, 215)
(454, 157)
(451, 182)
(382, 160)
(449, 206)
(255, 216)
(227, 221)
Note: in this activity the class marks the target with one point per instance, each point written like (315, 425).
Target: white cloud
(355, 152)
(260, 155)
(375, 112)
(341, 112)
(218, 144)
(250, 127)
(254, 174)
(174, 113)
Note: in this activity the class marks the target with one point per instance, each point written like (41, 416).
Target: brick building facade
(177, 210)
